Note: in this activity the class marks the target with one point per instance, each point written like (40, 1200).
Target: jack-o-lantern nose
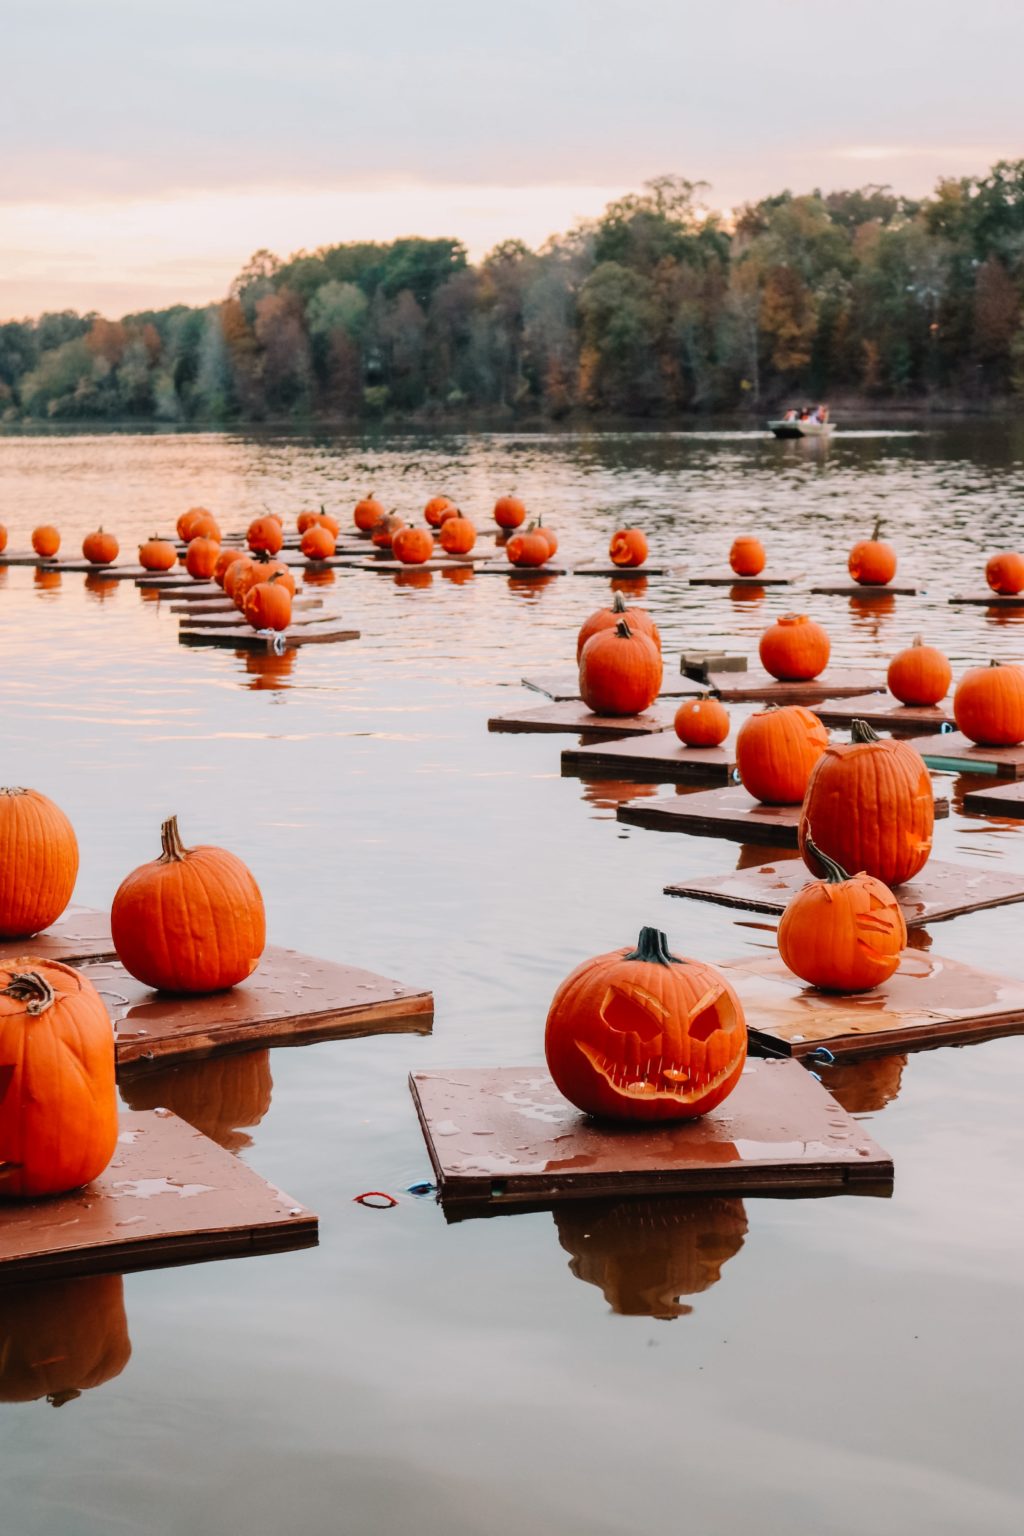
(633, 1011)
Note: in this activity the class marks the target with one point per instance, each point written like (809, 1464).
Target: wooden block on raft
(928, 1001)
(291, 999)
(661, 756)
(631, 572)
(757, 686)
(874, 590)
(505, 1137)
(952, 752)
(572, 717)
(941, 890)
(308, 611)
(730, 579)
(80, 933)
(1005, 800)
(698, 664)
(731, 813)
(321, 632)
(989, 599)
(566, 685)
(170, 1196)
(885, 713)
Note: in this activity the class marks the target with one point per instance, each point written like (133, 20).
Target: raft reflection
(60, 1338)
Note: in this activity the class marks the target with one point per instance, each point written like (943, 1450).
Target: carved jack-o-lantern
(641, 1035)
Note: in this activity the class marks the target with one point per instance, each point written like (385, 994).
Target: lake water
(837, 1365)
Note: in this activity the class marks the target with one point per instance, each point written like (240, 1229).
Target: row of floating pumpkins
(871, 562)
(191, 921)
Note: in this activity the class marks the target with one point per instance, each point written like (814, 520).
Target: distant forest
(655, 309)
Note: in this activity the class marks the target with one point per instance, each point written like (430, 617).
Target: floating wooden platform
(178, 585)
(730, 579)
(310, 610)
(506, 1137)
(929, 1001)
(731, 813)
(661, 757)
(527, 572)
(989, 599)
(630, 572)
(886, 713)
(941, 890)
(323, 632)
(757, 685)
(291, 999)
(436, 563)
(170, 1196)
(81, 933)
(869, 590)
(16, 558)
(1003, 800)
(566, 685)
(90, 568)
(572, 717)
(952, 752)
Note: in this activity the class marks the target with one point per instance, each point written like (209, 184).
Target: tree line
(656, 308)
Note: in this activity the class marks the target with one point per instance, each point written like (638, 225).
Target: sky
(150, 147)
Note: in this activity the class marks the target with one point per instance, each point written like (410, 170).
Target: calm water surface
(836, 1365)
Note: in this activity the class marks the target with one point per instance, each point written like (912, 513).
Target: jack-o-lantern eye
(716, 1015)
(633, 1011)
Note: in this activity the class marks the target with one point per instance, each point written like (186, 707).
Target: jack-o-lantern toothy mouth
(658, 1079)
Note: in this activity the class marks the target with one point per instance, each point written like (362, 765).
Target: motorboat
(794, 427)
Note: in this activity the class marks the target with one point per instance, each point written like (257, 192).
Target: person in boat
(805, 413)
(790, 415)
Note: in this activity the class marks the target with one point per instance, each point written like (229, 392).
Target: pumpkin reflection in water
(47, 581)
(266, 670)
(60, 1338)
(221, 1097)
(413, 578)
(609, 794)
(646, 1255)
(862, 1087)
(100, 588)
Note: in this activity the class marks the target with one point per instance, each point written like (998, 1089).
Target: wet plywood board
(322, 632)
(730, 579)
(630, 572)
(180, 587)
(170, 1196)
(929, 1001)
(731, 813)
(886, 713)
(291, 999)
(505, 1136)
(81, 933)
(954, 753)
(435, 563)
(566, 685)
(572, 717)
(89, 568)
(1004, 800)
(309, 611)
(661, 757)
(989, 599)
(941, 890)
(855, 589)
(757, 686)
(528, 572)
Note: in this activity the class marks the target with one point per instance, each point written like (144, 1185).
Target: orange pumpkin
(550, 535)
(628, 547)
(265, 535)
(530, 549)
(257, 571)
(384, 531)
(919, 675)
(185, 521)
(509, 512)
(457, 534)
(318, 542)
(871, 562)
(702, 722)
(620, 672)
(368, 514)
(45, 541)
(233, 575)
(794, 648)
(38, 863)
(202, 525)
(268, 604)
(100, 548)
(201, 557)
(307, 520)
(413, 546)
(988, 705)
(157, 555)
(190, 921)
(844, 933)
(641, 1035)
(870, 806)
(776, 751)
(638, 619)
(435, 509)
(226, 558)
(1005, 573)
(747, 556)
(60, 1338)
(58, 1110)
(3, 538)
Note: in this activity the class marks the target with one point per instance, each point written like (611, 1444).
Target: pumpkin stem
(170, 841)
(623, 630)
(58, 1399)
(652, 946)
(13, 789)
(835, 874)
(32, 988)
(878, 529)
(861, 732)
(917, 640)
(618, 603)
(995, 663)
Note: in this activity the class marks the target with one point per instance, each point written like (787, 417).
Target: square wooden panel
(732, 813)
(630, 572)
(572, 717)
(560, 686)
(80, 933)
(321, 632)
(953, 752)
(757, 686)
(730, 579)
(989, 599)
(170, 1196)
(874, 589)
(524, 572)
(885, 713)
(505, 1136)
(661, 757)
(1004, 800)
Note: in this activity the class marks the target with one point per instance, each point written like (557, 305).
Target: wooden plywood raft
(929, 1001)
(989, 599)
(941, 889)
(954, 753)
(506, 1137)
(181, 586)
(435, 563)
(526, 572)
(757, 686)
(306, 611)
(322, 632)
(572, 717)
(566, 685)
(90, 568)
(731, 813)
(291, 999)
(629, 572)
(1005, 800)
(868, 590)
(722, 578)
(885, 713)
(170, 1196)
(661, 756)
(81, 933)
